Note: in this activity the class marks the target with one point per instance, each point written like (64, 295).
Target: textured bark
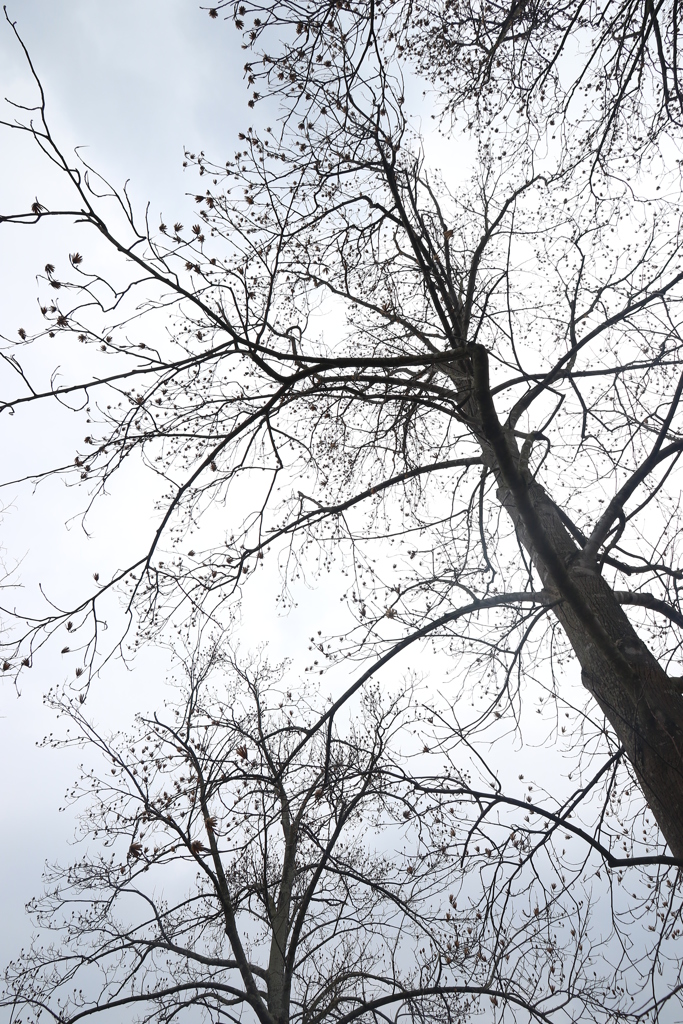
(642, 704)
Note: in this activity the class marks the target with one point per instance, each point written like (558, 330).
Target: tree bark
(640, 701)
(642, 704)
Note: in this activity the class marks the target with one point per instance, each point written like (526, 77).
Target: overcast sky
(135, 81)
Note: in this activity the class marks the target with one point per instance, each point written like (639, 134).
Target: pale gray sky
(135, 81)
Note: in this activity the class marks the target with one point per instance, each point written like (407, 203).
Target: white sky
(135, 81)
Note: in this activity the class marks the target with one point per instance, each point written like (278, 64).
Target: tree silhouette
(237, 862)
(461, 387)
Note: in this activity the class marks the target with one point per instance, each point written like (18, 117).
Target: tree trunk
(635, 694)
(642, 705)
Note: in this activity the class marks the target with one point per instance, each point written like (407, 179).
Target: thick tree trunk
(637, 697)
(642, 704)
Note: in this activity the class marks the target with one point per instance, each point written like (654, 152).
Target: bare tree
(549, 59)
(236, 864)
(465, 391)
